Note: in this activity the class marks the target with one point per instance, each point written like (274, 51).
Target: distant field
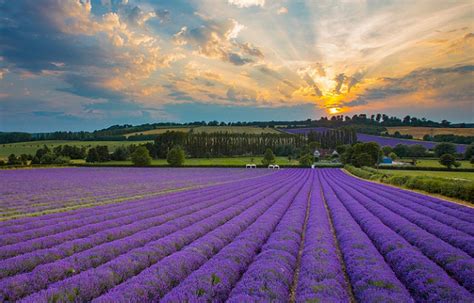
(441, 174)
(159, 131)
(236, 129)
(435, 163)
(419, 132)
(31, 147)
(229, 161)
(211, 129)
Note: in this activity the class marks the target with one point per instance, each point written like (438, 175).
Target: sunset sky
(82, 65)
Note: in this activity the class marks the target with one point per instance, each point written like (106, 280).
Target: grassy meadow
(469, 176)
(429, 163)
(32, 146)
(210, 129)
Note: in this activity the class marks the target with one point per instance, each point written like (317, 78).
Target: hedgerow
(459, 189)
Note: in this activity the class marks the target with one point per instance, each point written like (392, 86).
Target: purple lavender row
(456, 262)
(153, 283)
(371, 277)
(51, 235)
(111, 213)
(448, 234)
(80, 214)
(27, 262)
(426, 281)
(54, 190)
(439, 216)
(270, 276)
(144, 180)
(321, 278)
(27, 224)
(213, 230)
(49, 241)
(461, 213)
(457, 211)
(43, 275)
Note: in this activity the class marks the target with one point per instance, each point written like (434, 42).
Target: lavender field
(229, 235)
(382, 141)
(40, 191)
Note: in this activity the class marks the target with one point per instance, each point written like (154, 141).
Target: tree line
(372, 124)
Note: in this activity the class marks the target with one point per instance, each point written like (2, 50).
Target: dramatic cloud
(434, 84)
(282, 10)
(247, 3)
(84, 60)
(217, 39)
(3, 72)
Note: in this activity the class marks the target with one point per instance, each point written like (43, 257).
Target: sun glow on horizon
(334, 110)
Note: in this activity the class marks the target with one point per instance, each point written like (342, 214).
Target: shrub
(448, 160)
(306, 160)
(387, 150)
(13, 160)
(176, 156)
(121, 153)
(268, 157)
(359, 172)
(469, 153)
(92, 155)
(363, 159)
(141, 156)
(398, 180)
(393, 156)
(61, 160)
(451, 188)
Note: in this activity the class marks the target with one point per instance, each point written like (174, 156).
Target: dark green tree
(92, 155)
(469, 153)
(164, 142)
(447, 160)
(141, 156)
(24, 158)
(387, 150)
(341, 149)
(401, 150)
(48, 158)
(363, 159)
(370, 148)
(417, 150)
(268, 157)
(176, 156)
(103, 153)
(444, 148)
(306, 160)
(40, 152)
(13, 160)
(346, 157)
(393, 156)
(120, 154)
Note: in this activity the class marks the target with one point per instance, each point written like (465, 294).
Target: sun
(334, 110)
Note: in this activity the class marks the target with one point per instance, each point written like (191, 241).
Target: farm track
(294, 235)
